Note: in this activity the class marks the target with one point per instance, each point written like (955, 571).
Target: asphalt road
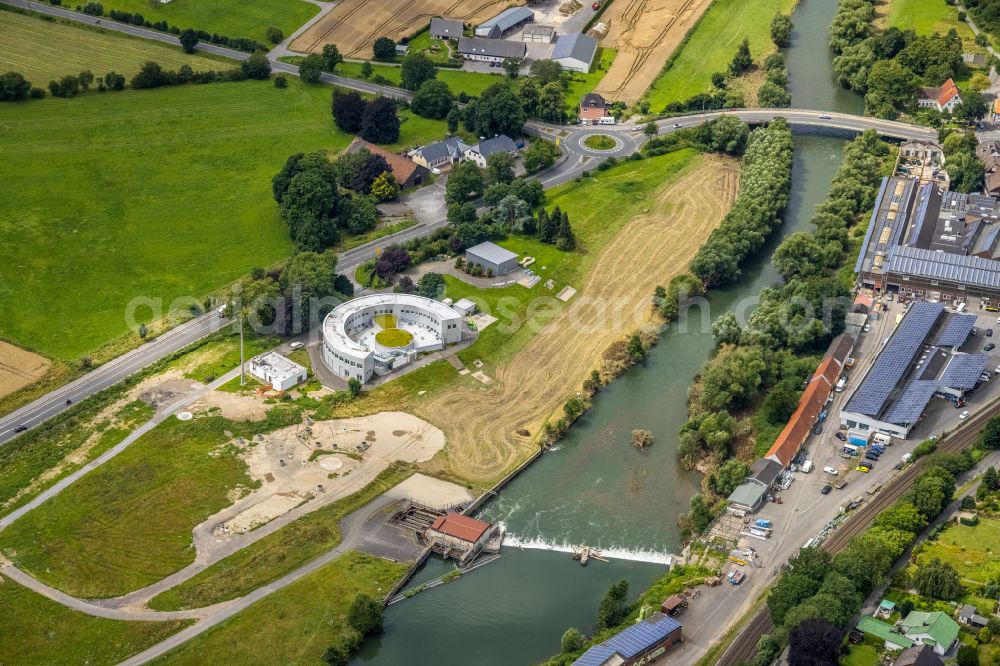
(110, 373)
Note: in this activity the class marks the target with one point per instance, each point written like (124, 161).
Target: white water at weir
(634, 555)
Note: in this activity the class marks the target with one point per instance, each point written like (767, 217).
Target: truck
(807, 467)
(763, 522)
(736, 577)
(882, 438)
(763, 534)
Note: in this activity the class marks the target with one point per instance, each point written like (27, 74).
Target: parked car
(867, 328)
(841, 436)
(818, 429)
(964, 415)
(826, 489)
(830, 470)
(864, 469)
(871, 455)
(989, 346)
(989, 332)
(295, 346)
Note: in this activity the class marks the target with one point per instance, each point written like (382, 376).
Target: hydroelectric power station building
(354, 342)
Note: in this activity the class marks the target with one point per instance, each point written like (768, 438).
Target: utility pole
(243, 369)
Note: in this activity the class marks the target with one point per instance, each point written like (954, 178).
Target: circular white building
(379, 333)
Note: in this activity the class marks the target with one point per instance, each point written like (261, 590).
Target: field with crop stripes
(43, 50)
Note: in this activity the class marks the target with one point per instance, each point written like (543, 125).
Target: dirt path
(480, 425)
(354, 25)
(645, 32)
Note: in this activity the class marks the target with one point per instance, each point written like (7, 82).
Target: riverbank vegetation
(889, 66)
(743, 397)
(689, 75)
(36, 630)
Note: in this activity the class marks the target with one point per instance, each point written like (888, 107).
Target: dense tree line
(375, 120)
(238, 43)
(764, 187)
(964, 168)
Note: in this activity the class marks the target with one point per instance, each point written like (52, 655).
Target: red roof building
(460, 527)
(407, 172)
(593, 107)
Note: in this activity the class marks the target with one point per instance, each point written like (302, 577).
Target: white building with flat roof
(379, 333)
(280, 372)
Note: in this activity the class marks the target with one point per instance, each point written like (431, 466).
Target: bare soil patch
(19, 368)
(354, 25)
(482, 424)
(645, 32)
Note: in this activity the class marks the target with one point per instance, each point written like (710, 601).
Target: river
(594, 487)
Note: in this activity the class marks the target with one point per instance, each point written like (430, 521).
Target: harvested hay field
(645, 32)
(19, 368)
(354, 25)
(481, 425)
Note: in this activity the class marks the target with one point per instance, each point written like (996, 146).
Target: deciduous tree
(415, 70)
(379, 123)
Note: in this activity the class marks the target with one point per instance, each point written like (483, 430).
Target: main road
(577, 158)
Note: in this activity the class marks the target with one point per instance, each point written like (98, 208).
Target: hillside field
(926, 18)
(161, 194)
(44, 50)
(232, 18)
(712, 45)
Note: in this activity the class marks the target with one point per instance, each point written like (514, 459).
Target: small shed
(747, 497)
(492, 258)
(464, 307)
(885, 608)
(674, 605)
(970, 617)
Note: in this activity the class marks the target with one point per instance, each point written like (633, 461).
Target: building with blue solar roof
(920, 360)
(645, 642)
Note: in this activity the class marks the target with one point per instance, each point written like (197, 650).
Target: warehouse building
(645, 642)
(492, 257)
(920, 360)
(575, 52)
(924, 242)
(505, 23)
(280, 372)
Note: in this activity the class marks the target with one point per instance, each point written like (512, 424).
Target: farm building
(440, 155)
(274, 369)
(490, 50)
(505, 23)
(492, 258)
(538, 34)
(446, 28)
(407, 172)
(645, 642)
(593, 107)
(481, 152)
(575, 52)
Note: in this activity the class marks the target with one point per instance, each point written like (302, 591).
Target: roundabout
(600, 143)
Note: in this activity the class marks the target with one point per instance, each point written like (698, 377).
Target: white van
(295, 346)
(807, 467)
(840, 386)
(606, 120)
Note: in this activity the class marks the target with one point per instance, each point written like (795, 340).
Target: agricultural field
(645, 33)
(44, 50)
(970, 549)
(354, 25)
(294, 625)
(232, 18)
(712, 44)
(143, 210)
(653, 215)
(35, 630)
(926, 18)
(19, 367)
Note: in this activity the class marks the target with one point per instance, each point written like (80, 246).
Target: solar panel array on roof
(631, 641)
(910, 404)
(956, 330)
(890, 366)
(963, 371)
(972, 271)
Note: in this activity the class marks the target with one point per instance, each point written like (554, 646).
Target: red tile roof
(801, 422)
(403, 168)
(947, 93)
(461, 527)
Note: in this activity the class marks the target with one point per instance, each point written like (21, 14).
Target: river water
(595, 488)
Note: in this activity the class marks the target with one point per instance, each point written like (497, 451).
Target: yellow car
(863, 468)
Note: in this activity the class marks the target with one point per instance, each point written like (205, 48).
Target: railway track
(744, 645)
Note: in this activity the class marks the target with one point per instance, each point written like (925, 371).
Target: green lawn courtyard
(163, 194)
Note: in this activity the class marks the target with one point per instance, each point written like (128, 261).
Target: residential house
(885, 609)
(944, 99)
(892, 639)
(407, 172)
(575, 52)
(988, 153)
(480, 152)
(970, 617)
(935, 629)
(593, 107)
(918, 655)
(505, 23)
(441, 155)
(922, 150)
(490, 50)
(446, 28)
